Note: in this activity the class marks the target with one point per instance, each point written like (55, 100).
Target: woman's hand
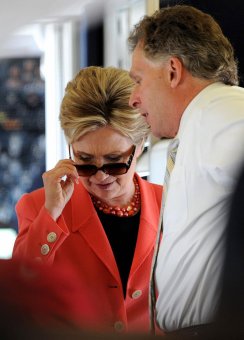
(59, 186)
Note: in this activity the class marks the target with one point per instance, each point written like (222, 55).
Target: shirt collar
(195, 104)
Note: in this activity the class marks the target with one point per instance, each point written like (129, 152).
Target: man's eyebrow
(135, 76)
(132, 75)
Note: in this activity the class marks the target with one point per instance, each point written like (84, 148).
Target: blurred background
(42, 46)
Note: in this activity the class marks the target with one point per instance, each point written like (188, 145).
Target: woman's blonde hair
(99, 97)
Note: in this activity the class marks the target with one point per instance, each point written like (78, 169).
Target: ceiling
(19, 21)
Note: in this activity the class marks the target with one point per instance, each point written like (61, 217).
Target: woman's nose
(100, 176)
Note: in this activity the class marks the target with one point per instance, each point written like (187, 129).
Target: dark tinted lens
(115, 168)
(86, 170)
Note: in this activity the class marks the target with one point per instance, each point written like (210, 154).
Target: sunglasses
(87, 170)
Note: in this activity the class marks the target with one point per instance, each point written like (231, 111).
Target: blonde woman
(94, 212)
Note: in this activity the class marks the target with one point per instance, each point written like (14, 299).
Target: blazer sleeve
(39, 235)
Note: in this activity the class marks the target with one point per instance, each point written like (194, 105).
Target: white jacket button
(136, 294)
(52, 237)
(119, 326)
(45, 249)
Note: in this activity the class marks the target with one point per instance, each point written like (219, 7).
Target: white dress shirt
(191, 254)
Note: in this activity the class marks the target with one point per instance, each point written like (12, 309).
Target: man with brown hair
(186, 81)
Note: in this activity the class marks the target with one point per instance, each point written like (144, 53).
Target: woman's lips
(106, 186)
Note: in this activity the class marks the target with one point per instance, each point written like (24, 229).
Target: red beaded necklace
(129, 210)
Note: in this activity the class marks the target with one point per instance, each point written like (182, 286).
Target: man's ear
(175, 71)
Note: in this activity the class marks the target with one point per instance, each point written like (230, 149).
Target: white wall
(119, 19)
(60, 65)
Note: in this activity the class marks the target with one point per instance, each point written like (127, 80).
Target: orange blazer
(78, 240)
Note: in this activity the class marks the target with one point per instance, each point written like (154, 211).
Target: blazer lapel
(148, 225)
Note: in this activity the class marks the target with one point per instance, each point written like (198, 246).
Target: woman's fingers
(59, 186)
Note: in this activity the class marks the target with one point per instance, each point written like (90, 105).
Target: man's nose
(134, 100)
